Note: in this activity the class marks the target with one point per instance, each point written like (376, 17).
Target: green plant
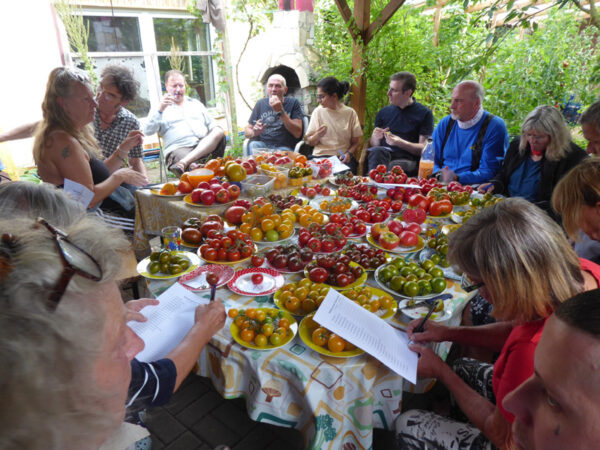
(72, 18)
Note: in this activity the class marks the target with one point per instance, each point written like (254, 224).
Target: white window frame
(149, 52)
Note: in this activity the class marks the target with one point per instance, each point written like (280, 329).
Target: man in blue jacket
(469, 143)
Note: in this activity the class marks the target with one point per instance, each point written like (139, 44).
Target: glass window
(113, 34)
(190, 35)
(198, 75)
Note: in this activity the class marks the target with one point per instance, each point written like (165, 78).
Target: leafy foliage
(519, 73)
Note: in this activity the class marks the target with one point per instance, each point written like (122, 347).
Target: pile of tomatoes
(261, 325)
(289, 257)
(322, 337)
(381, 175)
(350, 226)
(375, 211)
(334, 270)
(436, 203)
(302, 297)
(263, 224)
(312, 191)
(360, 193)
(337, 205)
(347, 179)
(230, 246)
(327, 238)
(412, 279)
(366, 256)
(364, 297)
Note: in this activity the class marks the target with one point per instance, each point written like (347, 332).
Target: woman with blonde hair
(65, 148)
(538, 159)
(65, 349)
(521, 262)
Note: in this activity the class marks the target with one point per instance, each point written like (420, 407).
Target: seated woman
(65, 349)
(65, 148)
(334, 128)
(576, 199)
(536, 161)
(522, 263)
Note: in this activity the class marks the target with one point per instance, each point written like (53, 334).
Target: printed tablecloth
(334, 402)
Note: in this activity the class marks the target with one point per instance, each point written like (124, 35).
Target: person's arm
(316, 130)
(491, 336)
(294, 126)
(481, 412)
(502, 179)
(71, 162)
(207, 321)
(495, 144)
(137, 164)
(21, 132)
(118, 158)
(414, 148)
(155, 123)
(438, 135)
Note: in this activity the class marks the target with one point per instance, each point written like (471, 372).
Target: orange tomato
(305, 220)
(184, 177)
(335, 343)
(292, 304)
(213, 165)
(239, 321)
(266, 209)
(247, 335)
(276, 218)
(168, 189)
(261, 315)
(267, 224)
(300, 159)
(248, 217)
(246, 228)
(284, 323)
(251, 313)
(320, 336)
(260, 340)
(233, 312)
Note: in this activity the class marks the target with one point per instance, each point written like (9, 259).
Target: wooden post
(362, 18)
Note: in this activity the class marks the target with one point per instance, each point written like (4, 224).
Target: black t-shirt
(276, 133)
(409, 123)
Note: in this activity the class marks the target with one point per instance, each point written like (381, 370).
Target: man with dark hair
(116, 129)
(188, 131)
(401, 128)
(590, 126)
(558, 407)
(470, 143)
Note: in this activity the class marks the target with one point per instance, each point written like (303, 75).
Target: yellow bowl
(199, 175)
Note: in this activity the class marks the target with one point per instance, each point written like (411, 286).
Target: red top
(515, 363)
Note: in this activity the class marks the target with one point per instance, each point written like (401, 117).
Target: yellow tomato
(276, 218)
(245, 228)
(285, 231)
(256, 234)
(318, 217)
(305, 220)
(267, 224)
(248, 217)
(295, 208)
(266, 209)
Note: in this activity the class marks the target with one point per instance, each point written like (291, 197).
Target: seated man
(116, 129)
(188, 131)
(558, 407)
(276, 121)
(401, 128)
(470, 143)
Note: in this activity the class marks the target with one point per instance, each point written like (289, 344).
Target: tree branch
(382, 19)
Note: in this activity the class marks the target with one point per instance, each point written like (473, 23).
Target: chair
(305, 121)
(156, 152)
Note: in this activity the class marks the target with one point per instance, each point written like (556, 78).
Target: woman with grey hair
(65, 349)
(536, 161)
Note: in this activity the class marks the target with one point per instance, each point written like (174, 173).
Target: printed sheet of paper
(78, 192)
(368, 332)
(168, 322)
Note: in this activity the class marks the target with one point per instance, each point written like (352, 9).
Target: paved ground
(197, 417)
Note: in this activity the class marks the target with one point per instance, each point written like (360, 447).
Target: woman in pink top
(521, 262)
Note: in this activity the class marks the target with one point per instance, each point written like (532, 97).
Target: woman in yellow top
(334, 128)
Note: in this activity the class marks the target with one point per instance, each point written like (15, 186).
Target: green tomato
(411, 289)
(398, 262)
(154, 267)
(435, 258)
(438, 285)
(397, 283)
(436, 272)
(272, 235)
(406, 271)
(424, 287)
(427, 264)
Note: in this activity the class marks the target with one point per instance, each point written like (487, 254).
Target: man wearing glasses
(401, 128)
(116, 129)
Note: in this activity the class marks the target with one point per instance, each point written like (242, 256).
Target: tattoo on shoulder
(65, 152)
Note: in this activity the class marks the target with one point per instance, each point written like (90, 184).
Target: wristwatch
(279, 113)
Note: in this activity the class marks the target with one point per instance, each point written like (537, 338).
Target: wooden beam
(358, 100)
(386, 14)
(346, 14)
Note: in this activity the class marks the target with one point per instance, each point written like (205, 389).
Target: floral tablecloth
(334, 402)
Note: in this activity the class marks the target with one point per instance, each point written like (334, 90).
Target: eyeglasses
(321, 96)
(467, 285)
(74, 261)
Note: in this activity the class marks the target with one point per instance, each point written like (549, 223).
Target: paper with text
(168, 322)
(78, 192)
(368, 332)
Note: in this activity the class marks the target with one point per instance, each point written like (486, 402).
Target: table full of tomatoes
(354, 235)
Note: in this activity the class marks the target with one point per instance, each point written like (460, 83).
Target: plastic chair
(305, 121)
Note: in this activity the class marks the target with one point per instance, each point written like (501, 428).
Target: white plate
(242, 282)
(421, 311)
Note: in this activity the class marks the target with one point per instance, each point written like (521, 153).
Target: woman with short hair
(65, 148)
(538, 159)
(65, 349)
(521, 262)
(334, 128)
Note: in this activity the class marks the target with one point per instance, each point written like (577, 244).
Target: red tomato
(257, 278)
(222, 254)
(318, 274)
(381, 168)
(245, 251)
(326, 246)
(415, 228)
(314, 244)
(408, 239)
(233, 255)
(210, 254)
(257, 260)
